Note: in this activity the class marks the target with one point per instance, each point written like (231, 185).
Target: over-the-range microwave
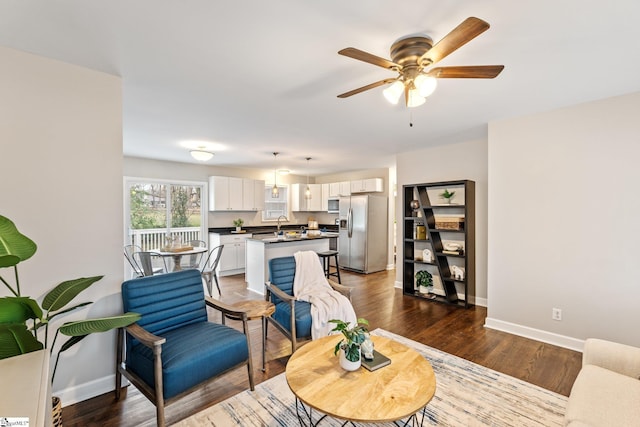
(334, 206)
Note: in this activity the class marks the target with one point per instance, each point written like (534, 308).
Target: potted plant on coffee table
(349, 346)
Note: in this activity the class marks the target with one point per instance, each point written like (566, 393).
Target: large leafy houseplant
(353, 337)
(23, 319)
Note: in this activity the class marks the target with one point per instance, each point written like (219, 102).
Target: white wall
(467, 160)
(61, 136)
(563, 224)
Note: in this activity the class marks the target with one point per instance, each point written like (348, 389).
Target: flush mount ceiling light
(275, 192)
(412, 58)
(201, 154)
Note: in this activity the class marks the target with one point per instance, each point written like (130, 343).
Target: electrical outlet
(556, 314)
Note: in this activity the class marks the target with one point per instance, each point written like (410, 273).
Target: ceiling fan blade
(361, 55)
(469, 29)
(367, 87)
(468, 72)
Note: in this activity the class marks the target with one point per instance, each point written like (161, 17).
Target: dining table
(178, 253)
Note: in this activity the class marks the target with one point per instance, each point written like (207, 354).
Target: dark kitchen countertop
(271, 239)
(271, 229)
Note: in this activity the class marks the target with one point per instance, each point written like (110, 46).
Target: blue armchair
(173, 349)
(291, 317)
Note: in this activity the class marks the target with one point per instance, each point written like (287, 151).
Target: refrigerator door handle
(350, 222)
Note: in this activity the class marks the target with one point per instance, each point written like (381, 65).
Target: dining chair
(173, 349)
(210, 267)
(292, 317)
(129, 250)
(150, 263)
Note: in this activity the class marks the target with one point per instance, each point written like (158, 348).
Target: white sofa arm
(616, 357)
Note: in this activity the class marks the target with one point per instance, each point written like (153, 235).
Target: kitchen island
(260, 249)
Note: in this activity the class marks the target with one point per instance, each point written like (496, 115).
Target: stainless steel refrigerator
(362, 242)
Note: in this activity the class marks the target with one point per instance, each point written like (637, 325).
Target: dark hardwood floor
(451, 329)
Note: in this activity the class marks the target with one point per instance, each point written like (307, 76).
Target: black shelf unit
(448, 289)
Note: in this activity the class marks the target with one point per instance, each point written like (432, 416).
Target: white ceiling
(253, 77)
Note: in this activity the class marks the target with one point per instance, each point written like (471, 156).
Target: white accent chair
(607, 389)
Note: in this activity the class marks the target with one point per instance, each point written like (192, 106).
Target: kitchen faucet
(281, 216)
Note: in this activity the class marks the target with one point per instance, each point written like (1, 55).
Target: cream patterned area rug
(467, 394)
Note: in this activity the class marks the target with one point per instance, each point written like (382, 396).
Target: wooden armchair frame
(289, 299)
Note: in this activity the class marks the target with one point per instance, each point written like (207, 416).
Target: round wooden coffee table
(394, 392)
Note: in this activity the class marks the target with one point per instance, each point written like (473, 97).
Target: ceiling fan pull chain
(410, 118)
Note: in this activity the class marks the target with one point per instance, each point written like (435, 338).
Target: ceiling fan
(412, 57)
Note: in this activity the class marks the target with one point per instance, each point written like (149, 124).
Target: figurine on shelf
(427, 255)
(457, 272)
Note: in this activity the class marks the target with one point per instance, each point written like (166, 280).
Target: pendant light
(307, 192)
(275, 192)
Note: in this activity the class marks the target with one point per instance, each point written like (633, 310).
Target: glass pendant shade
(393, 92)
(275, 191)
(425, 85)
(414, 99)
(307, 191)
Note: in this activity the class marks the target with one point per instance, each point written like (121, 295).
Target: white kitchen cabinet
(298, 201)
(325, 197)
(233, 258)
(252, 195)
(225, 193)
(345, 188)
(334, 190)
(369, 185)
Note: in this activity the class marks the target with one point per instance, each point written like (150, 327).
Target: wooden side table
(395, 392)
(257, 309)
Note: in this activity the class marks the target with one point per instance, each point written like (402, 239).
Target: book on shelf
(379, 360)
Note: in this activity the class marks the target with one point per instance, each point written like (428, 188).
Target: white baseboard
(391, 266)
(75, 394)
(535, 334)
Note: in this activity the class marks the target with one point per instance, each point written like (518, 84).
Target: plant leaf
(14, 246)
(90, 326)
(19, 309)
(62, 294)
(67, 310)
(15, 339)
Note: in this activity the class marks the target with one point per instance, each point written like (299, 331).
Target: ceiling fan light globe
(201, 155)
(414, 99)
(425, 85)
(393, 92)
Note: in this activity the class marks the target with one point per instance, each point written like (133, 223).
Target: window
(154, 209)
(275, 207)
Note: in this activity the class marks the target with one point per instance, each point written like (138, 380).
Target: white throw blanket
(310, 284)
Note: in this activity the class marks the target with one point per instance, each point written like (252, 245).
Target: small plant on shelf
(424, 280)
(447, 195)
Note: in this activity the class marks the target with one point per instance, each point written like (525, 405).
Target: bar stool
(326, 263)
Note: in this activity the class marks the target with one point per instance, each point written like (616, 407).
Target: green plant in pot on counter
(353, 337)
(238, 223)
(22, 318)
